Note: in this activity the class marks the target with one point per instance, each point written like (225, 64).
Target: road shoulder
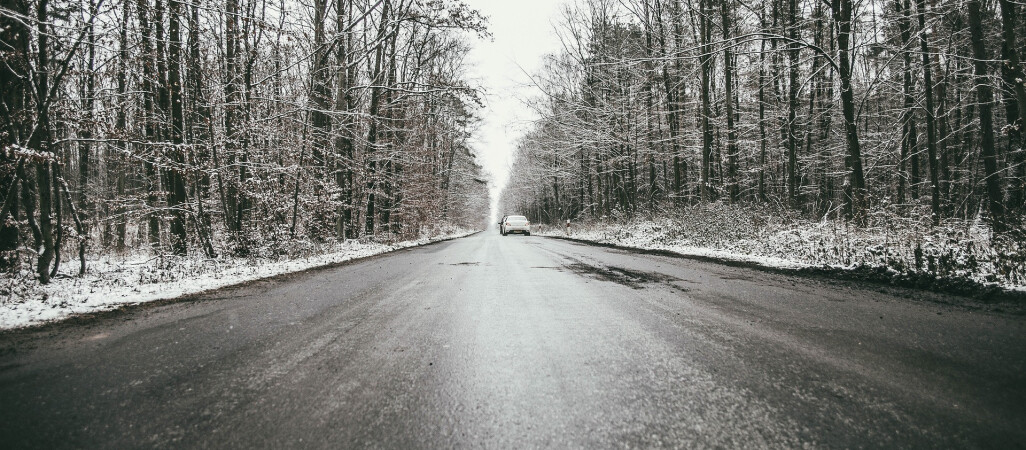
(962, 293)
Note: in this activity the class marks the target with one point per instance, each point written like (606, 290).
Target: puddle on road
(736, 277)
(465, 264)
(633, 279)
(97, 337)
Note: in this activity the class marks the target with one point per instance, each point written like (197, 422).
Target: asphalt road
(519, 342)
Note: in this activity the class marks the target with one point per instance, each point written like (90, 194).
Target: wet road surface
(520, 342)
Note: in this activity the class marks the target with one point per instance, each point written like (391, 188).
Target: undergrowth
(891, 246)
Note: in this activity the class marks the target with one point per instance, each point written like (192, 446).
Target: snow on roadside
(112, 282)
(963, 256)
(607, 236)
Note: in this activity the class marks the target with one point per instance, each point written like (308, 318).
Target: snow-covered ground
(906, 252)
(616, 236)
(113, 281)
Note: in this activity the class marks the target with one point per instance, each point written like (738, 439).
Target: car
(515, 224)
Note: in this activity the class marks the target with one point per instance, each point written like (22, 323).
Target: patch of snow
(890, 244)
(111, 282)
(645, 243)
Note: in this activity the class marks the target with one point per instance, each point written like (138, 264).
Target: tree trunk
(115, 168)
(176, 197)
(372, 132)
(29, 201)
(1014, 80)
(705, 30)
(792, 105)
(985, 98)
(909, 153)
(200, 133)
(230, 191)
(944, 171)
(150, 172)
(386, 182)
(762, 108)
(88, 107)
(726, 12)
(855, 185)
(931, 126)
(14, 89)
(670, 90)
(345, 102)
(320, 122)
(41, 141)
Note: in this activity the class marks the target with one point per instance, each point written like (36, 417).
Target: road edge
(86, 318)
(986, 294)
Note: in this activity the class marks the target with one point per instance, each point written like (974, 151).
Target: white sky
(522, 33)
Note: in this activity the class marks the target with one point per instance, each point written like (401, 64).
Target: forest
(891, 128)
(232, 128)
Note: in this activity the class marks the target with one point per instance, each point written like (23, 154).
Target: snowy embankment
(959, 257)
(114, 281)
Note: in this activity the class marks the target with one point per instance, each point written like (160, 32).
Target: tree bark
(14, 89)
(320, 121)
(1014, 79)
(762, 107)
(230, 191)
(115, 168)
(705, 58)
(855, 185)
(344, 102)
(88, 107)
(672, 106)
(726, 11)
(793, 49)
(985, 98)
(41, 141)
(372, 132)
(931, 126)
(150, 172)
(176, 199)
(907, 180)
